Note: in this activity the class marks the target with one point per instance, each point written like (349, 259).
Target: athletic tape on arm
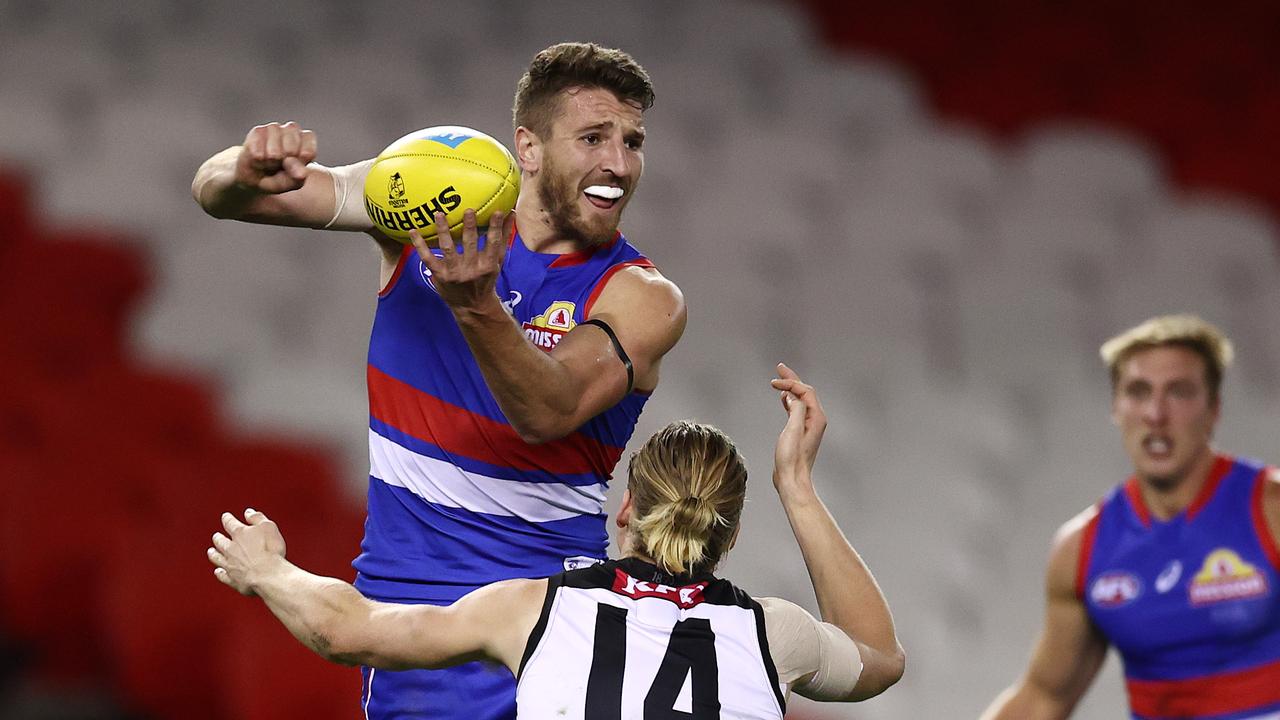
(348, 197)
(813, 658)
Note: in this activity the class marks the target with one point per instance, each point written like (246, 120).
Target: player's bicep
(813, 658)
(490, 623)
(647, 313)
(643, 316)
(1070, 649)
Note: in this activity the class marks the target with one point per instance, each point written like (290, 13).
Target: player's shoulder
(1271, 488)
(646, 279)
(1072, 531)
(780, 612)
(639, 286)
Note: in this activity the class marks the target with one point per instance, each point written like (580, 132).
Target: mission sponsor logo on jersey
(686, 596)
(1226, 576)
(546, 330)
(1115, 589)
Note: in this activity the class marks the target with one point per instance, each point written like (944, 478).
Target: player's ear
(528, 149)
(623, 517)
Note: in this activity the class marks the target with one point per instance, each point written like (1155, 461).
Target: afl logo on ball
(1115, 589)
(395, 191)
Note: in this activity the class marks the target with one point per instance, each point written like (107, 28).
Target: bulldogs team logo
(1226, 576)
(547, 329)
(1115, 589)
(395, 191)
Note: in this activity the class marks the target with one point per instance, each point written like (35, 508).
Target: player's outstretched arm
(848, 595)
(546, 396)
(271, 179)
(334, 620)
(1070, 650)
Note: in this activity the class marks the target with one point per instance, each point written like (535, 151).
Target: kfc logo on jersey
(1114, 589)
(685, 597)
(1225, 576)
(546, 330)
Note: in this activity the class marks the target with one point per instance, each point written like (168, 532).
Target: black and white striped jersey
(624, 640)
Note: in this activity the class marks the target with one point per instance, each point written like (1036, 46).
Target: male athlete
(1178, 567)
(489, 452)
(655, 634)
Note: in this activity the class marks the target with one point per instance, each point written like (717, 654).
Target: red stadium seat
(268, 675)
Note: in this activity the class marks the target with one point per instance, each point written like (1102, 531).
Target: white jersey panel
(555, 680)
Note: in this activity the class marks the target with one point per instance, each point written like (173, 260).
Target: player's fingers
(216, 557)
(296, 168)
(255, 143)
(230, 523)
(430, 259)
(221, 542)
(307, 146)
(274, 150)
(444, 238)
(221, 574)
(786, 372)
(795, 414)
(254, 517)
(290, 139)
(496, 238)
(470, 235)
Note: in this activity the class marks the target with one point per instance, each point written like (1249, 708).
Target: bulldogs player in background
(504, 382)
(654, 634)
(1177, 567)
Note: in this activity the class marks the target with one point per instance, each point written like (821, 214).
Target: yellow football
(444, 169)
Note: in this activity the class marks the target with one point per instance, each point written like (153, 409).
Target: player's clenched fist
(274, 157)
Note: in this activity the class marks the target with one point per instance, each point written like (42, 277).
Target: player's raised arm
(847, 593)
(638, 317)
(1069, 652)
(334, 620)
(271, 178)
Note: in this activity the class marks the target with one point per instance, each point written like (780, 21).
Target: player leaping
(489, 454)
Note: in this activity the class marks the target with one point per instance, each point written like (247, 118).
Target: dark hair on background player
(687, 487)
(576, 65)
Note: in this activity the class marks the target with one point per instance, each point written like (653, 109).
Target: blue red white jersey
(1192, 603)
(456, 498)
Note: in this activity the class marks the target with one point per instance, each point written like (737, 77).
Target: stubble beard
(559, 199)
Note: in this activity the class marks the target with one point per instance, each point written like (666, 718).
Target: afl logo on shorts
(1115, 589)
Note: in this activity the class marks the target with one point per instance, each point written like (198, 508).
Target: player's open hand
(247, 550)
(797, 447)
(274, 157)
(465, 276)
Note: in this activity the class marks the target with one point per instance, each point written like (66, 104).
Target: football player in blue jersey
(655, 634)
(1178, 567)
(506, 377)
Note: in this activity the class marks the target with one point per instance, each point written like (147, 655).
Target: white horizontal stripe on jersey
(443, 483)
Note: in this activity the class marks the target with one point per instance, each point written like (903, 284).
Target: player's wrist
(483, 311)
(266, 574)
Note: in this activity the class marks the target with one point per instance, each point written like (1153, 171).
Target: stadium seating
(938, 223)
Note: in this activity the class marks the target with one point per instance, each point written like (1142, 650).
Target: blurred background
(934, 211)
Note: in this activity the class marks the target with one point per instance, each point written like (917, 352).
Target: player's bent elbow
(880, 672)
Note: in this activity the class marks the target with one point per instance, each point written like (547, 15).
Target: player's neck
(538, 233)
(1166, 497)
